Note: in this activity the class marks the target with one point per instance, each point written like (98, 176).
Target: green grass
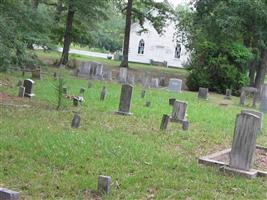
(44, 158)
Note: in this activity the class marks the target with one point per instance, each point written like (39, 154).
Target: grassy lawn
(44, 158)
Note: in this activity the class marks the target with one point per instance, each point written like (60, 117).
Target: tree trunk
(261, 70)
(67, 37)
(124, 62)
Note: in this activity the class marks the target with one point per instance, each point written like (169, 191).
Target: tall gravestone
(244, 142)
(28, 85)
(125, 99)
(76, 121)
(99, 71)
(164, 122)
(103, 94)
(21, 91)
(203, 93)
(123, 75)
(104, 183)
(175, 85)
(259, 114)
(248, 91)
(36, 73)
(154, 83)
(228, 94)
(263, 97)
(179, 113)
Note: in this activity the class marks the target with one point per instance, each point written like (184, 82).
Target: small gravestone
(259, 114)
(175, 85)
(245, 91)
(107, 75)
(263, 97)
(179, 114)
(76, 121)
(171, 101)
(6, 194)
(125, 99)
(104, 183)
(228, 94)
(203, 93)
(164, 122)
(148, 104)
(21, 91)
(143, 94)
(82, 90)
(103, 94)
(146, 81)
(123, 75)
(162, 81)
(90, 84)
(20, 83)
(244, 142)
(154, 83)
(28, 84)
(65, 90)
(99, 72)
(36, 73)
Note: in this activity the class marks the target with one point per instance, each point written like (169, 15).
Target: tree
(155, 12)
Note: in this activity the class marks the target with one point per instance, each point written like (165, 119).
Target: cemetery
(136, 142)
(133, 99)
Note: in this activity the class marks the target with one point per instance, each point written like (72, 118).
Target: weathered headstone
(123, 75)
(104, 183)
(103, 94)
(99, 72)
(143, 94)
(259, 114)
(154, 83)
(175, 85)
(179, 113)
(203, 93)
(125, 99)
(171, 101)
(162, 81)
(244, 142)
(263, 97)
(248, 91)
(76, 121)
(36, 73)
(21, 91)
(6, 194)
(164, 122)
(228, 94)
(28, 84)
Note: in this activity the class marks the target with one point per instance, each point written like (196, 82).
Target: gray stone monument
(248, 91)
(125, 99)
(103, 94)
(6, 194)
(175, 85)
(259, 114)
(28, 84)
(76, 121)
(263, 97)
(36, 73)
(244, 142)
(228, 94)
(179, 114)
(104, 183)
(123, 75)
(21, 91)
(99, 72)
(164, 122)
(203, 93)
(154, 83)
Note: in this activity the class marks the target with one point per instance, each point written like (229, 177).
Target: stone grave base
(123, 113)
(221, 160)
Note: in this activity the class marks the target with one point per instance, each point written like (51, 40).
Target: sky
(176, 2)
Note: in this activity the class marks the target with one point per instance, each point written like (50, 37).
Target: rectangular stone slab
(125, 99)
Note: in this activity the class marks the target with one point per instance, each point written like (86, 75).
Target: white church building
(152, 48)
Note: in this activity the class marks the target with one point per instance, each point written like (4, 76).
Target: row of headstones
(104, 187)
(94, 70)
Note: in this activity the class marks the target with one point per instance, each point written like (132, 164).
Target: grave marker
(6, 194)
(21, 91)
(104, 183)
(76, 121)
(164, 122)
(175, 85)
(203, 93)
(125, 99)
(123, 75)
(179, 114)
(103, 94)
(28, 84)
(228, 94)
(154, 83)
(263, 102)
